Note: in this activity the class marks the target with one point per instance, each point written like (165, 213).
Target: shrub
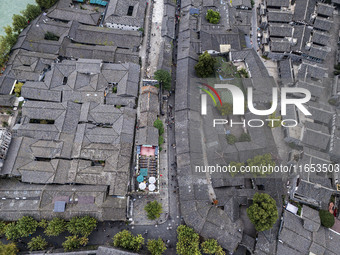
(327, 219)
(12, 232)
(211, 247)
(37, 243)
(55, 227)
(43, 224)
(126, 240)
(82, 225)
(26, 226)
(71, 243)
(188, 241)
(153, 210)
(8, 249)
(51, 36)
(2, 228)
(156, 246)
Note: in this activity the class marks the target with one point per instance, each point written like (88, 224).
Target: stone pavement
(140, 200)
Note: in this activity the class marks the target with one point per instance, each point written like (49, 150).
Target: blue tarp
(140, 178)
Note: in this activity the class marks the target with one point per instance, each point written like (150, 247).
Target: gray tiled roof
(279, 45)
(325, 9)
(279, 16)
(40, 200)
(117, 11)
(304, 10)
(280, 30)
(323, 23)
(277, 3)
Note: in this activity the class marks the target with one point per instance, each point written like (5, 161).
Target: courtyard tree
(164, 78)
(205, 65)
(188, 241)
(26, 226)
(275, 121)
(31, 12)
(326, 218)
(55, 227)
(17, 88)
(211, 246)
(263, 212)
(262, 160)
(82, 225)
(156, 246)
(126, 240)
(37, 244)
(8, 249)
(213, 16)
(153, 210)
(225, 109)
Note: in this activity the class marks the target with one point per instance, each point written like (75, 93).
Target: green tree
(12, 232)
(55, 227)
(11, 37)
(263, 212)
(262, 160)
(156, 246)
(160, 140)
(275, 120)
(153, 210)
(26, 226)
(37, 244)
(164, 78)
(71, 243)
(17, 88)
(205, 65)
(158, 124)
(8, 249)
(126, 240)
(19, 23)
(31, 12)
(45, 4)
(211, 246)
(188, 241)
(82, 225)
(213, 16)
(2, 228)
(327, 219)
(225, 109)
